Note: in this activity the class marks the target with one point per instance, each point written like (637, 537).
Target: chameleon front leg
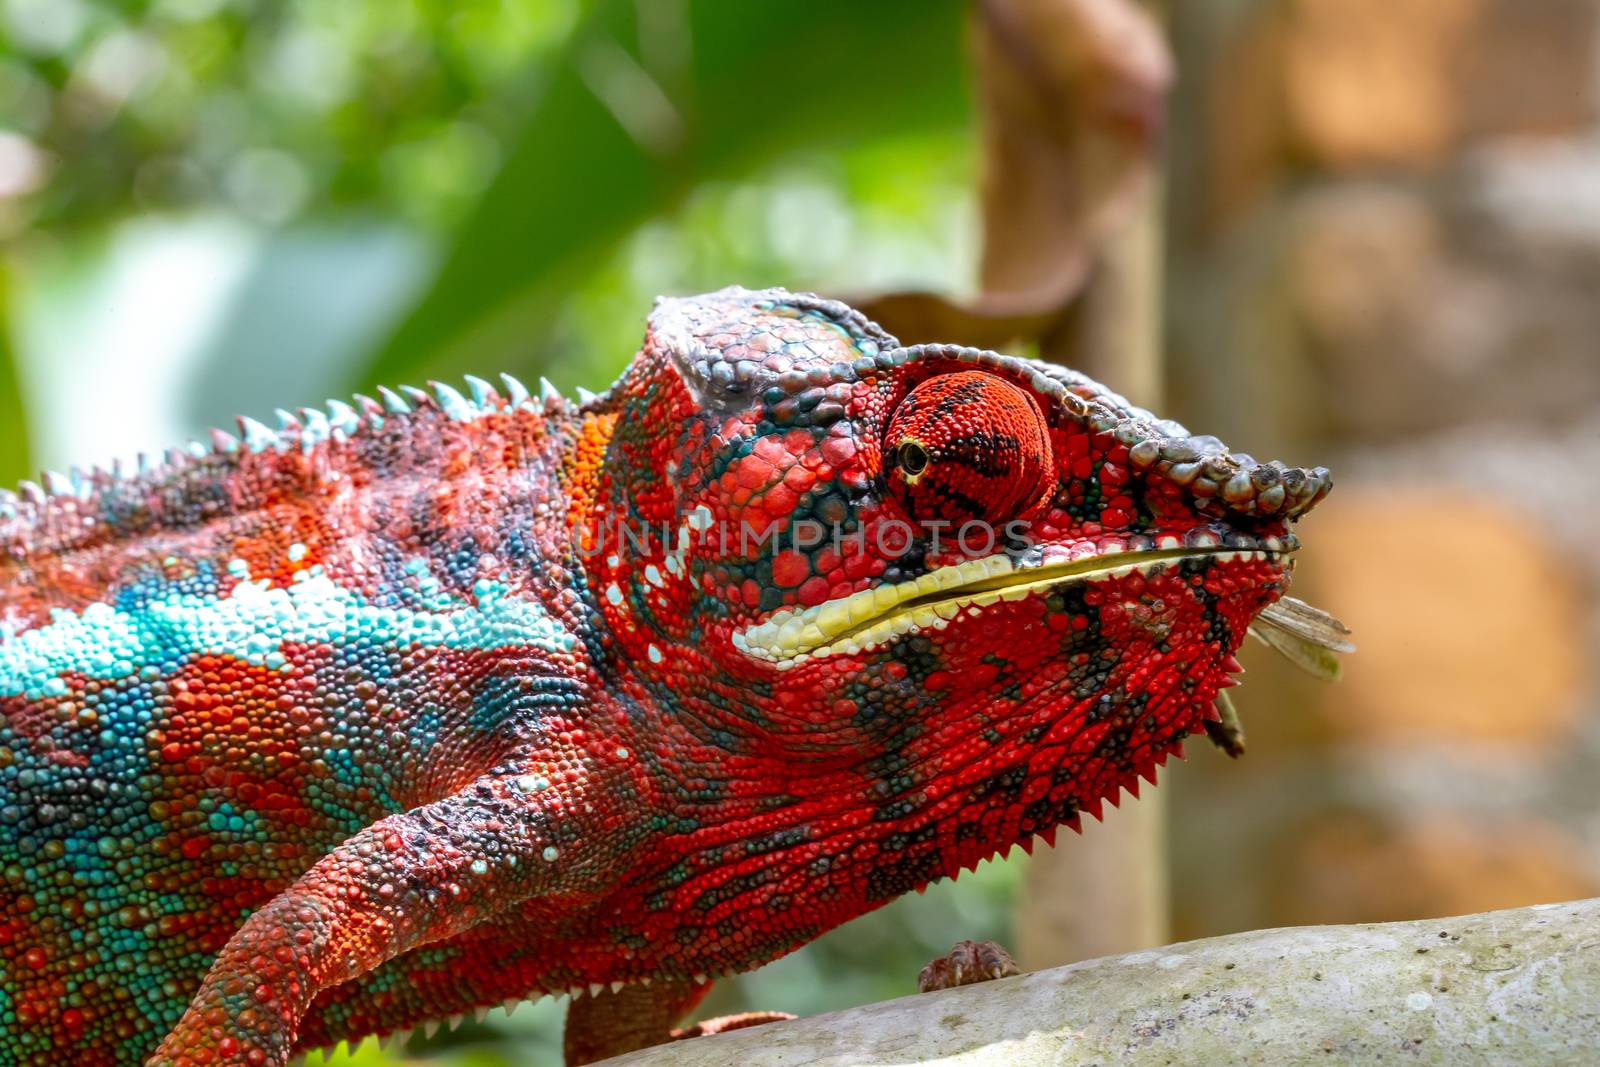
(405, 881)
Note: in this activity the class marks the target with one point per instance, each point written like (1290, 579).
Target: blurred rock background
(1385, 235)
(1382, 254)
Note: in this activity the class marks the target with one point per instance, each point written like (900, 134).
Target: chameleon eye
(912, 458)
(966, 447)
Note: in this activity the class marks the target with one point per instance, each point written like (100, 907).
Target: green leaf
(14, 462)
(646, 101)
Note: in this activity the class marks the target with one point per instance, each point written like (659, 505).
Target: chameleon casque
(414, 706)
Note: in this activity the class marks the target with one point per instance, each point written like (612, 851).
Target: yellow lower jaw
(873, 617)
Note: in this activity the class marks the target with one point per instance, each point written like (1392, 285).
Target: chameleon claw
(967, 963)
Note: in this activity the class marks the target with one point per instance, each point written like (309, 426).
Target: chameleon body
(414, 706)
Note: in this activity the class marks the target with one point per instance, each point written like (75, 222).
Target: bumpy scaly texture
(410, 708)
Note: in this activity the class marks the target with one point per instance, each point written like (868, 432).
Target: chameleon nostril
(913, 458)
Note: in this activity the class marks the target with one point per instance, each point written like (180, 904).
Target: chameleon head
(950, 569)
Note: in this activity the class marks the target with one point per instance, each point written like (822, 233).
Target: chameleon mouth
(873, 617)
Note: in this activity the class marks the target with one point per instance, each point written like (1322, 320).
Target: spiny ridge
(65, 509)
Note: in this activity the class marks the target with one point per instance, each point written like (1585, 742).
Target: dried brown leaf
(987, 322)
(1072, 97)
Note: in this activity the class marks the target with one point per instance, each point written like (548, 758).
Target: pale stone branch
(1505, 987)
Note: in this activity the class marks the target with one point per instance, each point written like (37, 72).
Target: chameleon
(420, 704)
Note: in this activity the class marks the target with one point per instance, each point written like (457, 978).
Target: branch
(1517, 986)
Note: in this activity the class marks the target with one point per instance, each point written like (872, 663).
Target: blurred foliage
(404, 188)
(645, 102)
(890, 212)
(266, 107)
(13, 427)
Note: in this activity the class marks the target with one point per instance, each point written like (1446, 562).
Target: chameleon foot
(966, 963)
